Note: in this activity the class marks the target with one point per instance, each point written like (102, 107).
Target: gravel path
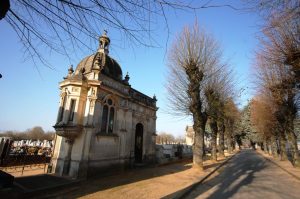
(158, 182)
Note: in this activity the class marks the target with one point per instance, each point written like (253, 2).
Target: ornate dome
(101, 61)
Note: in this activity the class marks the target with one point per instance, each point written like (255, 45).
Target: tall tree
(280, 43)
(280, 81)
(264, 122)
(217, 90)
(279, 65)
(231, 118)
(247, 132)
(191, 57)
(165, 138)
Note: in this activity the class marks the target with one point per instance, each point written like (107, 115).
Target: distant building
(190, 136)
(103, 124)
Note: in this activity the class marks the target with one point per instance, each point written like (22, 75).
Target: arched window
(111, 120)
(108, 114)
(104, 119)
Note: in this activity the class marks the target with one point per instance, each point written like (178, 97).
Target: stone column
(67, 163)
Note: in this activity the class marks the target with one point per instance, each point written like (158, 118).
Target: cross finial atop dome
(70, 70)
(104, 42)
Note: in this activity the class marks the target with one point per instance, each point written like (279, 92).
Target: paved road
(247, 176)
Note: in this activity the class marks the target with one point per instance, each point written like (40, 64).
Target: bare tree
(231, 118)
(165, 138)
(49, 135)
(279, 66)
(281, 32)
(281, 44)
(264, 121)
(180, 140)
(191, 58)
(35, 133)
(65, 26)
(267, 8)
(217, 90)
(280, 82)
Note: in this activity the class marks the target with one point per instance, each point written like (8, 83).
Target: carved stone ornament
(68, 131)
(63, 94)
(92, 102)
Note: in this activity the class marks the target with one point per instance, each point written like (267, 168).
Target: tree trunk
(291, 115)
(198, 146)
(274, 147)
(221, 139)
(195, 76)
(229, 143)
(265, 146)
(293, 143)
(214, 133)
(282, 142)
(269, 144)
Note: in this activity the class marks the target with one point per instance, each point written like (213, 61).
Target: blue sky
(30, 94)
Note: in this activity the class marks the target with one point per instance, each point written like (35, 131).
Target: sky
(30, 93)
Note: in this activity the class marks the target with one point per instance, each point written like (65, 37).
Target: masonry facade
(103, 124)
(190, 137)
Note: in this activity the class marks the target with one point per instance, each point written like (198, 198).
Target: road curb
(186, 192)
(269, 159)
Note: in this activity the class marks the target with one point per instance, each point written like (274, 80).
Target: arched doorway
(138, 147)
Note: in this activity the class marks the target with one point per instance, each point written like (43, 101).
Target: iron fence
(20, 160)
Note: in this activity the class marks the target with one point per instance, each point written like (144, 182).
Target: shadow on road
(237, 173)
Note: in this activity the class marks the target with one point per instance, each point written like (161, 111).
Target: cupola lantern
(104, 42)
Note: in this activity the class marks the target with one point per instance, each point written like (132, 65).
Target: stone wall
(166, 153)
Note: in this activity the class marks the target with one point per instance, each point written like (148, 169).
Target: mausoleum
(103, 123)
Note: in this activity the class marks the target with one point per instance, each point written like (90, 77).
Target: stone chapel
(103, 123)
